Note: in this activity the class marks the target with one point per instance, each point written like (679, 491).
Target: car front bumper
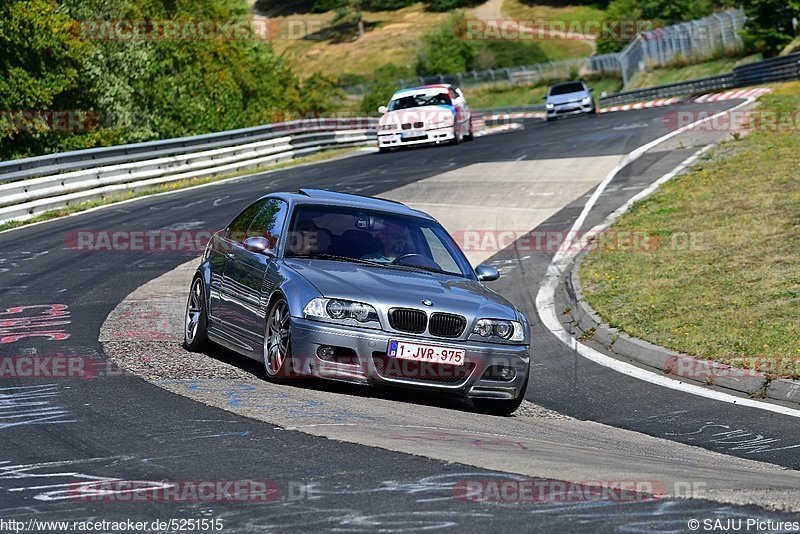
(396, 139)
(370, 365)
(572, 108)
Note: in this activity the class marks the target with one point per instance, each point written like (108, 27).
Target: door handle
(229, 255)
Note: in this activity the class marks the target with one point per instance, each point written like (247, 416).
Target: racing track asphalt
(60, 431)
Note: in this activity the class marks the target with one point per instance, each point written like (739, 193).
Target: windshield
(566, 88)
(415, 101)
(379, 238)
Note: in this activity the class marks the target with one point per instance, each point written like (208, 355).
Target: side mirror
(544, 97)
(486, 273)
(259, 245)
(383, 110)
(591, 89)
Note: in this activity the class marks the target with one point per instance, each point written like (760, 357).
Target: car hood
(424, 114)
(386, 288)
(568, 97)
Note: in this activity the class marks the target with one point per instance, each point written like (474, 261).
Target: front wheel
(195, 337)
(501, 407)
(277, 341)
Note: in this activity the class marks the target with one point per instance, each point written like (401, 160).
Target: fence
(31, 186)
(689, 41)
(34, 185)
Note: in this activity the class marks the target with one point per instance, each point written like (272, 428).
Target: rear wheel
(501, 406)
(277, 342)
(471, 135)
(195, 336)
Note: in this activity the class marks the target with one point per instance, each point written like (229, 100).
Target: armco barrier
(32, 186)
(95, 174)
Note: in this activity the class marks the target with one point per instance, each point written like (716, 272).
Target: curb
(586, 324)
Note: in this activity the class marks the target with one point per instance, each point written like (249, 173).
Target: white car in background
(423, 115)
(569, 98)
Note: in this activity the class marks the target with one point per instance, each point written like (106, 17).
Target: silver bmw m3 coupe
(359, 289)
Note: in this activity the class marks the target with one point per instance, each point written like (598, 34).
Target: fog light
(500, 372)
(507, 373)
(326, 353)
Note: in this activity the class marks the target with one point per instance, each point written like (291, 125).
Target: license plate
(426, 353)
(407, 135)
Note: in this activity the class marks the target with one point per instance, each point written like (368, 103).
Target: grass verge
(687, 72)
(174, 186)
(724, 282)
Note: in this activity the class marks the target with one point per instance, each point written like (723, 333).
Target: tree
(349, 12)
(445, 50)
(40, 71)
(769, 24)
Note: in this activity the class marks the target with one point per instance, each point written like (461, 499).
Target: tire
(277, 347)
(456, 138)
(471, 135)
(593, 111)
(551, 119)
(384, 149)
(195, 330)
(501, 407)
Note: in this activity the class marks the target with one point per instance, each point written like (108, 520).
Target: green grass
(687, 72)
(735, 292)
(391, 37)
(552, 11)
(173, 186)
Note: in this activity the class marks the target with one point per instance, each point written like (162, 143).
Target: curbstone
(672, 363)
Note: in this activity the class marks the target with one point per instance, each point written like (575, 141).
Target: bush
(383, 88)
(141, 89)
(445, 51)
(657, 12)
(769, 25)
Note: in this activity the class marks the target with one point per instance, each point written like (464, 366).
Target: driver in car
(393, 240)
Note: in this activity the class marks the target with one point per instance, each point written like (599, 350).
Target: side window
(269, 221)
(237, 230)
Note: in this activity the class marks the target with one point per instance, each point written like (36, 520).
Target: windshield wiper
(428, 269)
(334, 257)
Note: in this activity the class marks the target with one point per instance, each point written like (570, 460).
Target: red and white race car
(427, 114)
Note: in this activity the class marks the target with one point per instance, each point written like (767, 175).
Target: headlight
(508, 330)
(549, 105)
(388, 126)
(342, 310)
(586, 100)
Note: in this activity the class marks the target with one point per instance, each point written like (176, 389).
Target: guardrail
(779, 69)
(33, 186)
